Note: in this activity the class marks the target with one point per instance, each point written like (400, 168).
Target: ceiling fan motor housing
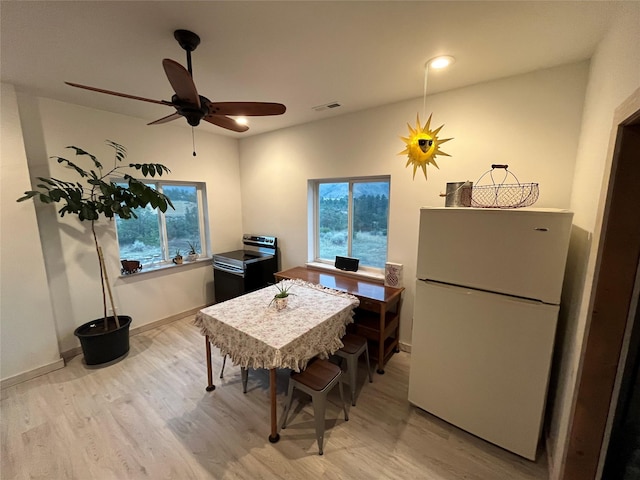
(191, 112)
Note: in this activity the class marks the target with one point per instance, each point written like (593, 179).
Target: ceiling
(361, 54)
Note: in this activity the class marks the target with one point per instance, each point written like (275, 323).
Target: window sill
(167, 266)
(361, 274)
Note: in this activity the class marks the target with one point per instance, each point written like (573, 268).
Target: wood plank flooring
(149, 417)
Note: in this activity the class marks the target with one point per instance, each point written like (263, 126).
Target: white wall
(530, 122)
(27, 330)
(533, 122)
(614, 75)
(69, 254)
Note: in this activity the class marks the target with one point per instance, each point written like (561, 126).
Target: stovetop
(257, 248)
(245, 256)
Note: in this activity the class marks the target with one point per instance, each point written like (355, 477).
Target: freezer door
(481, 362)
(519, 252)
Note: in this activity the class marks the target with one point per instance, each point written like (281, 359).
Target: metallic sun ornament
(423, 145)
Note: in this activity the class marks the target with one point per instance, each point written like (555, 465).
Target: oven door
(227, 283)
(259, 273)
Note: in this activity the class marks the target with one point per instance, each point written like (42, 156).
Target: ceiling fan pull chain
(193, 141)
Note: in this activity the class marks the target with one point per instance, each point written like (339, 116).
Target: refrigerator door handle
(478, 291)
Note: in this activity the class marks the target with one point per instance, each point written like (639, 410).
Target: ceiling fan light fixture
(440, 62)
(241, 120)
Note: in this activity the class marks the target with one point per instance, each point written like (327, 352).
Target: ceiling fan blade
(118, 94)
(226, 122)
(166, 119)
(181, 81)
(246, 108)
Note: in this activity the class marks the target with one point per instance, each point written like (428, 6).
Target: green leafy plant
(192, 248)
(96, 195)
(178, 254)
(283, 291)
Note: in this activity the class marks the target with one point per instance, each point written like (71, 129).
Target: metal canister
(458, 194)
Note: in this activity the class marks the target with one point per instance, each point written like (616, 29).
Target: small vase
(281, 303)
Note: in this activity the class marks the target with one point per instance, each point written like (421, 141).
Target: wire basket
(503, 195)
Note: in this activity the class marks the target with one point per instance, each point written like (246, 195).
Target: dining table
(254, 333)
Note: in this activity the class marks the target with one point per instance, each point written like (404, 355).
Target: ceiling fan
(186, 100)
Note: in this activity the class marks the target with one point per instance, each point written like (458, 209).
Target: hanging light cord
(193, 141)
(424, 93)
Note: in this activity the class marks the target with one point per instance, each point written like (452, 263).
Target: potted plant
(92, 196)
(177, 259)
(281, 298)
(193, 253)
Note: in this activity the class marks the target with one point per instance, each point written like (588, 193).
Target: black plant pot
(99, 346)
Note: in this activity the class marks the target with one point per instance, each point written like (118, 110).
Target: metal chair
(244, 374)
(354, 346)
(316, 380)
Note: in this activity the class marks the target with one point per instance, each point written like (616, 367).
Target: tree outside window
(352, 220)
(155, 237)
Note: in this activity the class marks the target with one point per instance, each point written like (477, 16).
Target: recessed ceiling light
(241, 120)
(440, 62)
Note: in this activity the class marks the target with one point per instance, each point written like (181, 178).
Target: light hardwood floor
(149, 417)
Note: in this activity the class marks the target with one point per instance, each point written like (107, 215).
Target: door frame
(611, 300)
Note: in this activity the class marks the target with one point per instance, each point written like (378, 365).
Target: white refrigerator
(484, 322)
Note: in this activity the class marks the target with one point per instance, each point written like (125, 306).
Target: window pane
(370, 214)
(139, 238)
(154, 237)
(183, 226)
(333, 219)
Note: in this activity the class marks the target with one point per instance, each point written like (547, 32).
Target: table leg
(210, 385)
(274, 437)
(383, 316)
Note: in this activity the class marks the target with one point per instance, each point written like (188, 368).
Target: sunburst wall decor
(423, 145)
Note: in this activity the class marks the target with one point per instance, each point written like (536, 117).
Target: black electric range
(242, 271)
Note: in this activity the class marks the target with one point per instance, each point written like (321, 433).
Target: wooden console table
(378, 316)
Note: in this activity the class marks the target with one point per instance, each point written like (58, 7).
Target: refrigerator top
(518, 252)
(497, 210)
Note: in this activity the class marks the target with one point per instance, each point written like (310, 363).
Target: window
(155, 237)
(351, 218)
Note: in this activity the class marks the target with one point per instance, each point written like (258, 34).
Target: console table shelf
(378, 316)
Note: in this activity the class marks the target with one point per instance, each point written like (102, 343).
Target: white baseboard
(404, 347)
(72, 352)
(164, 321)
(36, 372)
(69, 354)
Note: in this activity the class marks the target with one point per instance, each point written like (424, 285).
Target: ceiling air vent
(320, 108)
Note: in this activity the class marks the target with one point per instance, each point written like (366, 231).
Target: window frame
(314, 216)
(203, 227)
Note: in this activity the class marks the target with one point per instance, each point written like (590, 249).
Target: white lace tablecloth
(255, 335)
